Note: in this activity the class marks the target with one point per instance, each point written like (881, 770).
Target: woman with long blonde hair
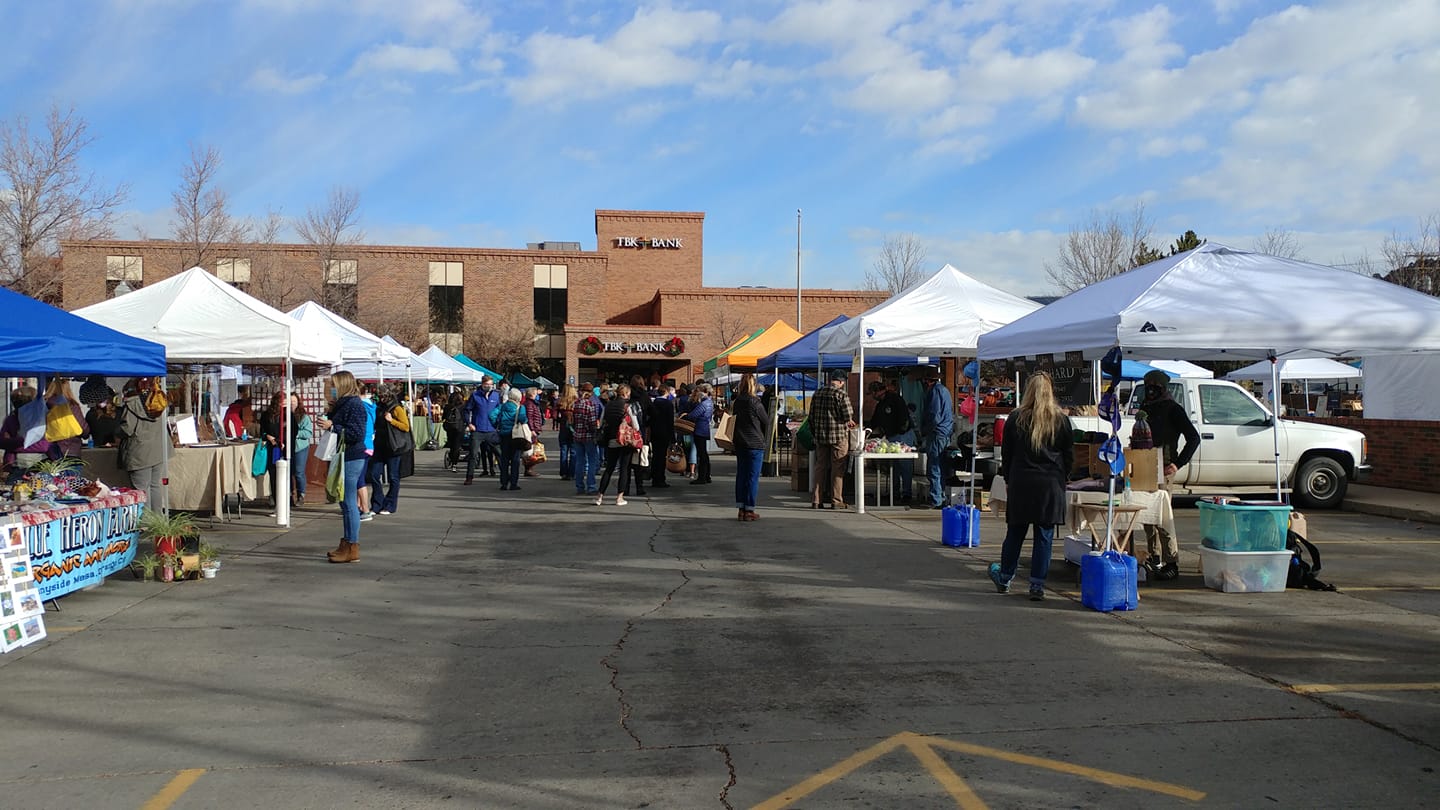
(565, 435)
(1037, 454)
(752, 430)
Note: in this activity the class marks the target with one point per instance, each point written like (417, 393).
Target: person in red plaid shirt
(585, 421)
(831, 418)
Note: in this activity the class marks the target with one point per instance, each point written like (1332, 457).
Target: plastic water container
(1109, 581)
(1243, 526)
(1245, 571)
(960, 527)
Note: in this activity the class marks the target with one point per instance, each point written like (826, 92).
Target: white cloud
(270, 80)
(1166, 146)
(648, 52)
(395, 58)
(580, 155)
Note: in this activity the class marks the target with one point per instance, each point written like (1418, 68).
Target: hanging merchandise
(1140, 436)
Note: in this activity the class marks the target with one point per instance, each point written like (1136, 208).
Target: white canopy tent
(1302, 368)
(356, 344)
(1402, 386)
(409, 366)
(203, 320)
(1183, 368)
(460, 373)
(942, 316)
(1219, 303)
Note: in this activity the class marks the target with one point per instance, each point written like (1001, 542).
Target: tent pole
(860, 451)
(282, 472)
(974, 432)
(1275, 425)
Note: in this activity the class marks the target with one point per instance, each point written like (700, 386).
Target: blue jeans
(747, 477)
(586, 460)
(903, 472)
(567, 459)
(936, 457)
(299, 460)
(391, 499)
(349, 507)
(1039, 552)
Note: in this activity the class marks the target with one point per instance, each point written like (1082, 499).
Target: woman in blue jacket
(505, 419)
(702, 413)
(347, 416)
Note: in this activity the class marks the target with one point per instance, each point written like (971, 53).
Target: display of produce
(51, 484)
(883, 446)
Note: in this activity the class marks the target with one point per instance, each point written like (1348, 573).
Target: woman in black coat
(1036, 456)
(752, 430)
(618, 409)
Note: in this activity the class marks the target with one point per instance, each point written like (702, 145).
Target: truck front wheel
(1320, 484)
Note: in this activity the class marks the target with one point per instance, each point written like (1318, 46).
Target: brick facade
(644, 284)
(1399, 454)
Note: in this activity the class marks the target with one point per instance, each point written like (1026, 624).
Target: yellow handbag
(61, 424)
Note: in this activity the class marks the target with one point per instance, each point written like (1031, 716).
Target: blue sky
(987, 129)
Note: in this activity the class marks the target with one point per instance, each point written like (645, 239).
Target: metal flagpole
(799, 321)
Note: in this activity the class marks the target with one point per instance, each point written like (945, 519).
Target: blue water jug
(960, 526)
(1109, 581)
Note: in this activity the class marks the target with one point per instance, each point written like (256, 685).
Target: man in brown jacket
(831, 419)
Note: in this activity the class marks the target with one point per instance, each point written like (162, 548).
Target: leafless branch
(1105, 246)
(900, 263)
(49, 198)
(201, 218)
(1278, 242)
(331, 229)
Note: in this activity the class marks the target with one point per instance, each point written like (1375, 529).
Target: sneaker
(384, 512)
(620, 500)
(1168, 571)
(1000, 585)
(366, 516)
(1037, 593)
(600, 500)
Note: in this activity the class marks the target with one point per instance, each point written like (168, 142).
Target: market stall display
(201, 476)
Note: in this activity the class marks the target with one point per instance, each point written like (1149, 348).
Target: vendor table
(1149, 509)
(75, 546)
(880, 471)
(200, 476)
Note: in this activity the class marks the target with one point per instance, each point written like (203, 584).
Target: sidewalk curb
(1386, 510)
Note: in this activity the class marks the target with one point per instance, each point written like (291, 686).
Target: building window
(341, 277)
(235, 271)
(447, 302)
(552, 303)
(129, 270)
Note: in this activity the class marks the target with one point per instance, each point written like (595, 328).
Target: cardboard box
(1143, 470)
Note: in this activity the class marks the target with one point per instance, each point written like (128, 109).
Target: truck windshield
(1223, 405)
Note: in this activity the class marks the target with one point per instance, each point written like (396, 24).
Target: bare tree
(1414, 260)
(269, 280)
(1278, 242)
(728, 322)
(49, 198)
(332, 229)
(202, 217)
(1105, 246)
(504, 342)
(900, 263)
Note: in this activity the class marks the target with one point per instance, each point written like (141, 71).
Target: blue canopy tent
(788, 382)
(496, 376)
(523, 381)
(804, 354)
(1136, 370)
(38, 338)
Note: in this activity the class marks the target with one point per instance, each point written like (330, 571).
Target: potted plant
(145, 566)
(169, 532)
(169, 565)
(209, 560)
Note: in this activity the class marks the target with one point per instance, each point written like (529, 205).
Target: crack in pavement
(730, 767)
(449, 527)
(608, 661)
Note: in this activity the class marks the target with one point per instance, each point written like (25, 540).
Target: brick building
(640, 293)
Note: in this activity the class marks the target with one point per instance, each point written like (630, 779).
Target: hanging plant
(674, 347)
(590, 345)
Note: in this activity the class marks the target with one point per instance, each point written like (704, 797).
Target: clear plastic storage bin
(1243, 526)
(1245, 571)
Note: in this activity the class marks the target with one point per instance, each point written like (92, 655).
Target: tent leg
(860, 451)
(1275, 427)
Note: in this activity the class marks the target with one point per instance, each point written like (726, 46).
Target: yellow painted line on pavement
(1093, 774)
(1324, 688)
(1349, 588)
(66, 629)
(831, 774)
(964, 797)
(174, 790)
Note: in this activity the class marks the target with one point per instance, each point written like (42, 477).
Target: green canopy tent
(483, 370)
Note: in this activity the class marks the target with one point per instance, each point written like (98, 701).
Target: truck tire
(1320, 484)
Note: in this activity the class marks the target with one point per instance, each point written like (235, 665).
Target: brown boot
(340, 549)
(347, 553)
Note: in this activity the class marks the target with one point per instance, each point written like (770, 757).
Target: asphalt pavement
(530, 650)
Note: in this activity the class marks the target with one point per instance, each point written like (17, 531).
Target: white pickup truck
(1237, 447)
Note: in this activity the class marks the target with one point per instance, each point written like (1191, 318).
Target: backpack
(1302, 571)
